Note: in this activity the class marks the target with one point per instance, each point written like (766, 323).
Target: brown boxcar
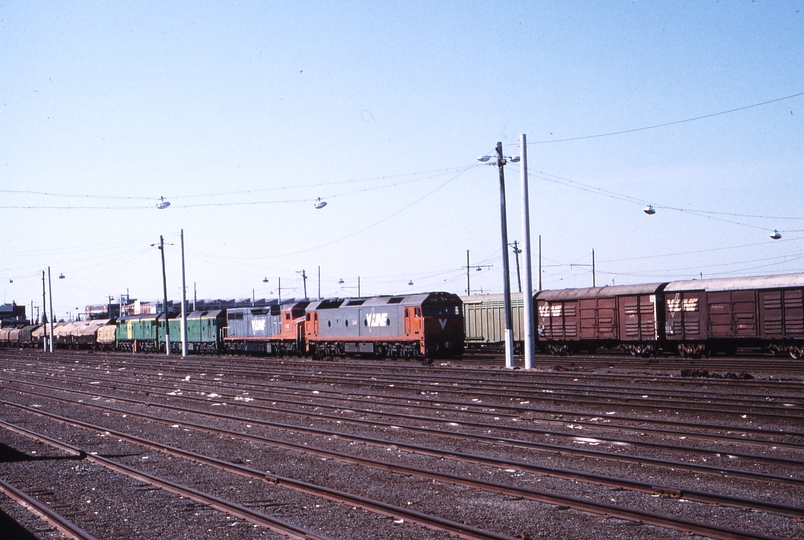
(718, 315)
(626, 317)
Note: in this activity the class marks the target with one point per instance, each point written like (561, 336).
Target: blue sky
(242, 115)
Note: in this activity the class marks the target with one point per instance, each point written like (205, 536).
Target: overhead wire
(666, 124)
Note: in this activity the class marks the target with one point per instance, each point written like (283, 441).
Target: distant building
(101, 311)
(12, 314)
(139, 307)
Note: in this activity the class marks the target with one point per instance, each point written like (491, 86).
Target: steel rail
(233, 509)
(512, 385)
(784, 413)
(43, 512)
(516, 413)
(433, 522)
(643, 487)
(594, 454)
(463, 531)
(636, 400)
(519, 415)
(489, 439)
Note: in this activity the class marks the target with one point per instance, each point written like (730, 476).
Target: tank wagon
(428, 325)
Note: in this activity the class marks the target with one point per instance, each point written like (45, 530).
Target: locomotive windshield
(435, 310)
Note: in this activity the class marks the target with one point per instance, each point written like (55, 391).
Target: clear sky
(243, 114)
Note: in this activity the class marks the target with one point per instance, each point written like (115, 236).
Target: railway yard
(116, 445)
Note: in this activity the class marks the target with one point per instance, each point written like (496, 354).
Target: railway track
(399, 512)
(320, 403)
(709, 498)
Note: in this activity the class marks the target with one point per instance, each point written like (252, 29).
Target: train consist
(691, 318)
(425, 326)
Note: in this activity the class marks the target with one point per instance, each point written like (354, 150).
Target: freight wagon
(484, 320)
(718, 315)
(690, 318)
(626, 317)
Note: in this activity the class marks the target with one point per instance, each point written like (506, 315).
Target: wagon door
(685, 319)
(794, 313)
(732, 314)
(630, 318)
(781, 313)
(587, 308)
(606, 318)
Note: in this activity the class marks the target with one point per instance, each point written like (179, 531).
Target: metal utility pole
(593, 268)
(540, 262)
(468, 267)
(44, 313)
(468, 288)
(279, 290)
(164, 290)
(517, 251)
(528, 318)
(319, 282)
(304, 279)
(509, 336)
(50, 290)
(183, 302)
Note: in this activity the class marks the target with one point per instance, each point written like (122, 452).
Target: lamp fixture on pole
(501, 162)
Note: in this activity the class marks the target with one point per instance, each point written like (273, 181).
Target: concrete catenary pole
(528, 294)
(183, 302)
(50, 319)
(44, 314)
(164, 290)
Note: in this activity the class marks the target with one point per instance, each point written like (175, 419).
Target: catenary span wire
(693, 252)
(306, 200)
(782, 259)
(76, 195)
(364, 229)
(627, 198)
(433, 173)
(30, 207)
(430, 175)
(667, 124)
(83, 249)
